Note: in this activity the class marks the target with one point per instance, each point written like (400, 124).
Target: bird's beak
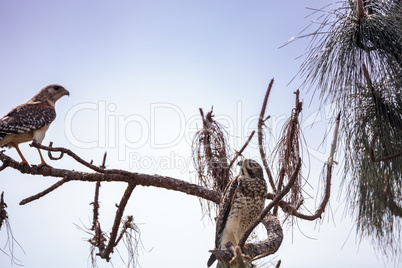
(240, 163)
(67, 93)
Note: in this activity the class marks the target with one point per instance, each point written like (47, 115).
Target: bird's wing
(27, 117)
(224, 208)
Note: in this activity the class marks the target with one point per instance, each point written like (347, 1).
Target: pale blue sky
(137, 72)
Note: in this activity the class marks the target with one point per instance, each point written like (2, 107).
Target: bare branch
(287, 152)
(117, 220)
(381, 159)
(242, 149)
(114, 175)
(289, 209)
(45, 192)
(103, 166)
(210, 154)
(260, 137)
(65, 151)
(96, 206)
(50, 155)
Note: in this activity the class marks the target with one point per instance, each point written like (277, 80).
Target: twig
(45, 192)
(50, 155)
(260, 137)
(381, 159)
(68, 152)
(242, 149)
(278, 264)
(103, 166)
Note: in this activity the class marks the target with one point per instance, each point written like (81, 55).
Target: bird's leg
(42, 163)
(237, 238)
(24, 161)
(239, 260)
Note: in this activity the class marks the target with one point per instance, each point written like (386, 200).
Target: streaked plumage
(31, 120)
(242, 201)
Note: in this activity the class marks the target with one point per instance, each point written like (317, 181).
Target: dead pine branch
(290, 209)
(287, 152)
(96, 206)
(242, 149)
(44, 192)
(105, 254)
(112, 175)
(375, 159)
(261, 124)
(96, 199)
(211, 154)
(10, 243)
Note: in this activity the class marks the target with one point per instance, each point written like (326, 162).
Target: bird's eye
(56, 88)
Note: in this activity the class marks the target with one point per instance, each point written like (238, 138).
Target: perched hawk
(241, 203)
(31, 120)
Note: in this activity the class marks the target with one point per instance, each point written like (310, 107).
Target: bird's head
(251, 168)
(51, 93)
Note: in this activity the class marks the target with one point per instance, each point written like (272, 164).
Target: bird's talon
(44, 165)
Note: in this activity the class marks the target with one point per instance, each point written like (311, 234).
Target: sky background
(137, 72)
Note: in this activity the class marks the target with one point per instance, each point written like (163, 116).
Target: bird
(242, 201)
(31, 120)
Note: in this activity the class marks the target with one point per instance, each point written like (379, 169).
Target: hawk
(31, 120)
(241, 203)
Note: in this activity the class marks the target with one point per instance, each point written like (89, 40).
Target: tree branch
(381, 159)
(114, 175)
(289, 209)
(261, 249)
(45, 192)
(261, 138)
(96, 206)
(242, 149)
(105, 254)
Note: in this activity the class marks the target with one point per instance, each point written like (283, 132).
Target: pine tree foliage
(355, 61)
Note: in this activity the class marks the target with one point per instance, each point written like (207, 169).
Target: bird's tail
(220, 264)
(211, 260)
